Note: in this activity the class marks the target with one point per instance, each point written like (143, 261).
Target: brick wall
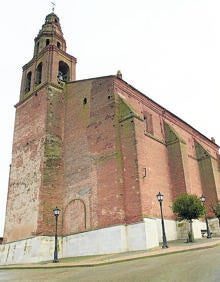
(26, 169)
(86, 149)
(168, 158)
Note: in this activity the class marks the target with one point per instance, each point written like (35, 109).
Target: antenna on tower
(53, 6)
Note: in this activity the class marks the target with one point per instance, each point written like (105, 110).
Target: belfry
(100, 151)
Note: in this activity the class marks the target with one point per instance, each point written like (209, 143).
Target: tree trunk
(190, 234)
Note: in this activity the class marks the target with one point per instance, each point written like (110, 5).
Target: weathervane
(53, 6)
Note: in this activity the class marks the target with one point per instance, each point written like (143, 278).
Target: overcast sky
(167, 49)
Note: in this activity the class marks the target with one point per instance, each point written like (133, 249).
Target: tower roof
(51, 26)
(50, 34)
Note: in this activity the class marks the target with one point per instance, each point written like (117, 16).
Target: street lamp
(56, 212)
(160, 200)
(202, 199)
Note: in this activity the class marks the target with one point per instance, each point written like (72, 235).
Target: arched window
(39, 74)
(47, 42)
(28, 82)
(58, 45)
(63, 71)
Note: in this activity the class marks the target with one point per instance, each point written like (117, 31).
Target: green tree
(188, 207)
(216, 210)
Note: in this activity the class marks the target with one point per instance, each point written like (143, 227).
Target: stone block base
(116, 239)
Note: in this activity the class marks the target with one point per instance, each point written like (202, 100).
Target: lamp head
(56, 211)
(160, 197)
(202, 198)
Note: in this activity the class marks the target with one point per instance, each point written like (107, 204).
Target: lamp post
(160, 200)
(202, 199)
(56, 212)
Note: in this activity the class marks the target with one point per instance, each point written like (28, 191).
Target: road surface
(195, 265)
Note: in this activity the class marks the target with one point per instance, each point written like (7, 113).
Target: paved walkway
(174, 247)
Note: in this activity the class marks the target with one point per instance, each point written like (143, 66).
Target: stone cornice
(44, 51)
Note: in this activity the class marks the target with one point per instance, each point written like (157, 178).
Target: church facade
(100, 151)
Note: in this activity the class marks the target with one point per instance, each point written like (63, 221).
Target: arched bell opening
(63, 72)
(38, 74)
(28, 82)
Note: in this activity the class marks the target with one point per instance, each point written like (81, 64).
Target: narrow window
(47, 42)
(84, 101)
(58, 45)
(148, 123)
(39, 74)
(37, 47)
(28, 82)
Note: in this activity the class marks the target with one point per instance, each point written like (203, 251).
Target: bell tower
(36, 174)
(50, 62)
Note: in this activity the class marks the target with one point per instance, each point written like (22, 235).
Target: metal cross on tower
(53, 6)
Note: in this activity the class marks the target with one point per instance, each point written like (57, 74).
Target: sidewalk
(174, 247)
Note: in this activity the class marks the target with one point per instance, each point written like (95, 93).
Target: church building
(100, 151)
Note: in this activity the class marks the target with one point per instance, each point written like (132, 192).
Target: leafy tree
(216, 210)
(188, 207)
